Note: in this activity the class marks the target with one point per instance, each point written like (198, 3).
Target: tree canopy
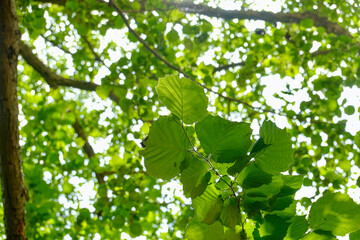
(118, 98)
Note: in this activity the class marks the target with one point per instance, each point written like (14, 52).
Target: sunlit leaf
(201, 231)
(271, 229)
(335, 212)
(297, 228)
(278, 156)
(230, 213)
(319, 236)
(307, 23)
(166, 148)
(183, 97)
(355, 235)
(208, 206)
(225, 140)
(195, 178)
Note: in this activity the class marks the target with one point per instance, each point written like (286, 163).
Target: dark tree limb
(202, 9)
(13, 190)
(322, 52)
(52, 78)
(330, 27)
(89, 150)
(225, 67)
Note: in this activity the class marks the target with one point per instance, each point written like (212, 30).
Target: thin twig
(156, 54)
(96, 55)
(89, 150)
(208, 160)
(224, 67)
(55, 44)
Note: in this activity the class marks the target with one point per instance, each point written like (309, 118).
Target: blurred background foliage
(87, 98)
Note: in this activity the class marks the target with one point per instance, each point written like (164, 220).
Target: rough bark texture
(13, 190)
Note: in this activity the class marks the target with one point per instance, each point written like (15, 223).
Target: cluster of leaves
(236, 186)
(75, 39)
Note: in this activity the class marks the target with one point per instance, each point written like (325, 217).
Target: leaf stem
(208, 160)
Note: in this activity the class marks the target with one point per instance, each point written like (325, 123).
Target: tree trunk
(13, 190)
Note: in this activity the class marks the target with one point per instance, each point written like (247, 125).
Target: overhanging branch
(52, 78)
(89, 150)
(190, 7)
(330, 27)
(225, 67)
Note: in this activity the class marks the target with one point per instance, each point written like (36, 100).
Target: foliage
(91, 74)
(257, 191)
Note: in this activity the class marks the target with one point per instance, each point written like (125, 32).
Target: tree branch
(224, 67)
(14, 192)
(156, 54)
(147, 46)
(322, 52)
(52, 78)
(55, 44)
(190, 7)
(89, 150)
(330, 27)
(96, 55)
(58, 2)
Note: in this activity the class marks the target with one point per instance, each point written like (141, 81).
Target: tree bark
(13, 190)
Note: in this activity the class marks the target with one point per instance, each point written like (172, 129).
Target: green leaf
(200, 231)
(266, 190)
(230, 214)
(166, 148)
(239, 165)
(119, 92)
(259, 146)
(135, 229)
(278, 156)
(307, 23)
(293, 181)
(335, 212)
(349, 110)
(173, 35)
(253, 177)
(231, 235)
(357, 139)
(271, 229)
(116, 161)
(355, 235)
(281, 203)
(319, 236)
(103, 91)
(195, 178)
(183, 97)
(225, 140)
(208, 206)
(253, 205)
(223, 183)
(297, 228)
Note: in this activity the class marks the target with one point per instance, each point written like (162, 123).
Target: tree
(12, 183)
(94, 77)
